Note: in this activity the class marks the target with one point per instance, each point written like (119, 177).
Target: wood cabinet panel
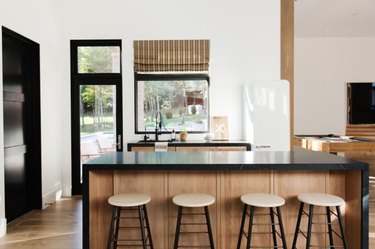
(151, 183)
(225, 214)
(353, 207)
(195, 182)
(196, 148)
(101, 188)
(142, 148)
(230, 148)
(288, 184)
(233, 185)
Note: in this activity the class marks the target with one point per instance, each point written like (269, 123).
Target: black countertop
(243, 160)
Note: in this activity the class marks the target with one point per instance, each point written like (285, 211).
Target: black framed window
(182, 100)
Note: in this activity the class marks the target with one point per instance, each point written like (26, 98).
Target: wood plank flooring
(57, 227)
(372, 208)
(60, 225)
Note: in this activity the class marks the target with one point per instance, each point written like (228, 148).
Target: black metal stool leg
(117, 218)
(329, 223)
(110, 235)
(250, 227)
(341, 227)
(309, 226)
(148, 227)
(273, 228)
(281, 227)
(178, 226)
(209, 227)
(242, 226)
(141, 221)
(297, 226)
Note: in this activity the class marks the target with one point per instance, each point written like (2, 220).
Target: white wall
(322, 68)
(245, 46)
(36, 20)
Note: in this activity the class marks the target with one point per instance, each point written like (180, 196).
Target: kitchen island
(226, 176)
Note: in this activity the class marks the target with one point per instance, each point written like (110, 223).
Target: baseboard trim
(3, 227)
(51, 197)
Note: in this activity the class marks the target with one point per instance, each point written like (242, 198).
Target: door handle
(119, 142)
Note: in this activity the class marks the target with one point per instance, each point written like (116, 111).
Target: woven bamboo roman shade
(171, 55)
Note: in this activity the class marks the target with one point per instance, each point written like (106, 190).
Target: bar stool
(193, 200)
(322, 200)
(129, 202)
(260, 200)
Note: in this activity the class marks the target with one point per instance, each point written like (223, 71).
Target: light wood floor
(57, 227)
(372, 207)
(60, 226)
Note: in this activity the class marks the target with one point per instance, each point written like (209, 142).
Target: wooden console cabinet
(193, 146)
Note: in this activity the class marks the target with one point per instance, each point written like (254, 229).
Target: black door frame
(90, 79)
(32, 118)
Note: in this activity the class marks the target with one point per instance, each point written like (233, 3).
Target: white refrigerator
(267, 115)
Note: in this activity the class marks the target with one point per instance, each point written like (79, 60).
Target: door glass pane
(97, 121)
(98, 59)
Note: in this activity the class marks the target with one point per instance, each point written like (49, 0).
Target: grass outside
(178, 121)
(106, 126)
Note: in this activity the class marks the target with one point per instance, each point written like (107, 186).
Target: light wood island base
(227, 187)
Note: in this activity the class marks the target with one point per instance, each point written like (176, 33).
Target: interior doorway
(22, 136)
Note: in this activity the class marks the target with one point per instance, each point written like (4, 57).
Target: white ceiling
(334, 18)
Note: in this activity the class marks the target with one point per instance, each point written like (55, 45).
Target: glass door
(97, 122)
(98, 125)
(96, 97)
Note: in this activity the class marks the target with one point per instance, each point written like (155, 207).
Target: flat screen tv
(361, 103)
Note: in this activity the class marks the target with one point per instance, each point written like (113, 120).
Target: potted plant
(183, 134)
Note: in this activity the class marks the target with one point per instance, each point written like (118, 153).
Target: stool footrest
(131, 227)
(316, 246)
(148, 245)
(193, 232)
(191, 224)
(266, 247)
(265, 224)
(194, 246)
(193, 214)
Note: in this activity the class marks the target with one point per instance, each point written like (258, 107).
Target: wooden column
(287, 53)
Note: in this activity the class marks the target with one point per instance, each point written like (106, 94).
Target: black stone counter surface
(196, 143)
(207, 160)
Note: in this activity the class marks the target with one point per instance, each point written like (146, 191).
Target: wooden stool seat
(262, 200)
(320, 199)
(193, 200)
(129, 200)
